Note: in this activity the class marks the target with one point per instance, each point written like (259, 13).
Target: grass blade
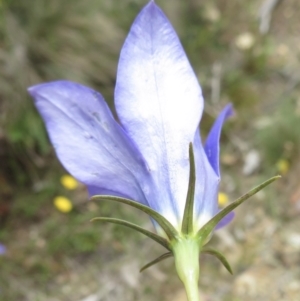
(162, 221)
(204, 232)
(220, 257)
(158, 259)
(162, 241)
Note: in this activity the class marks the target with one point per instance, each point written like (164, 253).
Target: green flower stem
(186, 252)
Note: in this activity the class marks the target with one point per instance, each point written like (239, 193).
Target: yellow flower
(63, 204)
(68, 182)
(222, 199)
(283, 166)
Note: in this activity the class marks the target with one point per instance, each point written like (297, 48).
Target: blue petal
(89, 142)
(212, 145)
(209, 173)
(207, 185)
(226, 220)
(159, 103)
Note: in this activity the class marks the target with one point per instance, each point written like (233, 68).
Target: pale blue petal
(89, 142)
(159, 103)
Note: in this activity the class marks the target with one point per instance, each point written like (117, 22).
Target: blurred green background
(244, 52)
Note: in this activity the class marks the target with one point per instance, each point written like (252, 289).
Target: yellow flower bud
(68, 182)
(222, 199)
(63, 204)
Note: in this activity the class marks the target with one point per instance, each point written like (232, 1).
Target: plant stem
(192, 291)
(186, 252)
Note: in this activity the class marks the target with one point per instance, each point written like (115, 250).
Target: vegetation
(61, 256)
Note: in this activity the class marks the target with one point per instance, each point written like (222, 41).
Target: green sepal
(158, 259)
(162, 241)
(188, 216)
(162, 221)
(205, 231)
(220, 257)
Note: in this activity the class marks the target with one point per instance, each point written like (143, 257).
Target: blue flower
(154, 154)
(159, 104)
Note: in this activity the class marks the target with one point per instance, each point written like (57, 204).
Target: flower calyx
(188, 239)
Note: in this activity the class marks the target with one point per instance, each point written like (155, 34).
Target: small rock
(245, 41)
(251, 162)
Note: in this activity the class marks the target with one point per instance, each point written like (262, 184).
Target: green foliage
(279, 138)
(239, 88)
(74, 237)
(43, 41)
